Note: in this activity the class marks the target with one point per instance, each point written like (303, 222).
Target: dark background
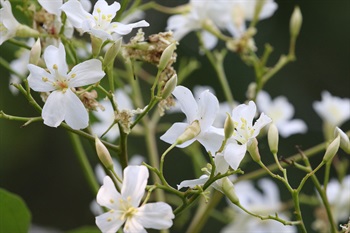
(38, 163)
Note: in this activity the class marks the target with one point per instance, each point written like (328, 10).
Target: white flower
(333, 110)
(242, 117)
(124, 206)
(266, 202)
(225, 15)
(338, 195)
(99, 23)
(281, 112)
(8, 23)
(62, 103)
(107, 116)
(203, 111)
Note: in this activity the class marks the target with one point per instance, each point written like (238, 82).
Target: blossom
(8, 23)
(106, 117)
(124, 206)
(62, 103)
(222, 14)
(99, 23)
(281, 113)
(202, 113)
(244, 132)
(263, 203)
(333, 110)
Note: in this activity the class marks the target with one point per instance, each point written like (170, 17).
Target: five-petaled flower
(99, 23)
(124, 206)
(62, 103)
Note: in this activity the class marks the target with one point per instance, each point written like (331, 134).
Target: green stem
(84, 162)
(295, 196)
(19, 43)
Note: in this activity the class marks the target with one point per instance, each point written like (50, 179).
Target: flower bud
(332, 149)
(35, 53)
(169, 86)
(166, 56)
(254, 150)
(96, 44)
(112, 52)
(229, 126)
(344, 140)
(190, 132)
(295, 22)
(272, 137)
(251, 91)
(103, 154)
(229, 190)
(25, 31)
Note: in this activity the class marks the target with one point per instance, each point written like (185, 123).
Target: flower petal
(157, 215)
(174, 132)
(134, 183)
(75, 13)
(123, 29)
(56, 56)
(108, 195)
(35, 79)
(76, 114)
(193, 183)
(208, 107)
(260, 123)
(54, 109)
(132, 226)
(52, 6)
(291, 127)
(234, 153)
(87, 72)
(187, 102)
(211, 139)
(109, 222)
(102, 6)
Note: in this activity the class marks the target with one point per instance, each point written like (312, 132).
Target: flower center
(128, 209)
(61, 82)
(102, 20)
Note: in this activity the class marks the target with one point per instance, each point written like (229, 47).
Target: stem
(19, 43)
(84, 162)
(295, 196)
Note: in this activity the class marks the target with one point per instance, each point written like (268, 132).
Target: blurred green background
(38, 163)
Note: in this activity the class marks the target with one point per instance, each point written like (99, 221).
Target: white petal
(103, 7)
(108, 195)
(291, 127)
(193, 183)
(87, 72)
(109, 222)
(174, 132)
(268, 9)
(102, 34)
(263, 101)
(35, 79)
(56, 56)
(76, 114)
(187, 102)
(211, 139)
(209, 39)
(244, 111)
(221, 164)
(52, 6)
(54, 109)
(344, 139)
(134, 183)
(234, 153)
(157, 215)
(75, 13)
(132, 226)
(261, 123)
(123, 29)
(208, 107)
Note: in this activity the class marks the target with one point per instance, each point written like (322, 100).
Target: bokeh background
(38, 162)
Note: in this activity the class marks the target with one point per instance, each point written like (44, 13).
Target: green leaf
(85, 229)
(14, 213)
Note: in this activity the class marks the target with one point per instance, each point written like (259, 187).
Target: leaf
(85, 229)
(14, 213)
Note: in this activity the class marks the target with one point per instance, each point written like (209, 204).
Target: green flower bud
(166, 56)
(254, 150)
(35, 53)
(169, 86)
(191, 132)
(25, 31)
(344, 140)
(295, 22)
(96, 44)
(272, 137)
(229, 190)
(229, 126)
(103, 154)
(112, 52)
(332, 149)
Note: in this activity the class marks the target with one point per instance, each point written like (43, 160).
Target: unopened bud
(166, 56)
(35, 53)
(229, 126)
(103, 154)
(251, 91)
(332, 149)
(295, 22)
(96, 44)
(25, 31)
(190, 132)
(344, 140)
(169, 86)
(272, 137)
(254, 150)
(229, 190)
(112, 52)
